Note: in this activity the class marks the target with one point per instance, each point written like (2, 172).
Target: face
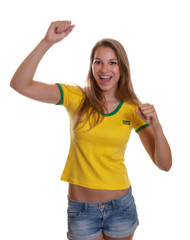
(105, 69)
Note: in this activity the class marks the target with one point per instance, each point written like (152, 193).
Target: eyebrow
(115, 59)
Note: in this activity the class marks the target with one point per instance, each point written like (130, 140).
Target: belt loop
(113, 204)
(85, 206)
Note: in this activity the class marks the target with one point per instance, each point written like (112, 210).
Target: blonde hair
(94, 100)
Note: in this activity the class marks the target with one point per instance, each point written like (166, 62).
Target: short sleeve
(138, 123)
(71, 96)
(61, 92)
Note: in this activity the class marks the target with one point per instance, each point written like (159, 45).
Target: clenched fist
(148, 113)
(58, 31)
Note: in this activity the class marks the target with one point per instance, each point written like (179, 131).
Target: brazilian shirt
(96, 157)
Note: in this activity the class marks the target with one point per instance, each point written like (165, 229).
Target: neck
(109, 97)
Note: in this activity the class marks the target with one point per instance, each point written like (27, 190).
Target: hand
(58, 31)
(148, 113)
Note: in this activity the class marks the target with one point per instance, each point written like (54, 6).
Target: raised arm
(22, 80)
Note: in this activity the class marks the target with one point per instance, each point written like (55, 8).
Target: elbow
(166, 167)
(14, 85)
(168, 163)
(11, 84)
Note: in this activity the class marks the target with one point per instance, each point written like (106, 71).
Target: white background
(35, 136)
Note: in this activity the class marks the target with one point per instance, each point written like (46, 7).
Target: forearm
(162, 152)
(23, 77)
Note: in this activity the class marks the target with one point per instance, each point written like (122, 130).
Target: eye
(97, 62)
(113, 63)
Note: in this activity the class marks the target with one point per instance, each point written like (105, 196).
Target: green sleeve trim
(142, 127)
(62, 94)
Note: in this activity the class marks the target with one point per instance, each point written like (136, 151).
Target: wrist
(157, 128)
(46, 44)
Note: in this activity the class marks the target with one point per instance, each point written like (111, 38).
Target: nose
(104, 67)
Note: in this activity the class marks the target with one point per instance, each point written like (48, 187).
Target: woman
(100, 200)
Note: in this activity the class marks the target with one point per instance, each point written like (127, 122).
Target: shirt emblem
(126, 122)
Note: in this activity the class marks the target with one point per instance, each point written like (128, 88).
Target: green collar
(114, 112)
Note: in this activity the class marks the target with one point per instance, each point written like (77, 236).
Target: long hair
(94, 100)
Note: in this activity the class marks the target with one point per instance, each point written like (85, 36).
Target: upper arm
(43, 92)
(147, 138)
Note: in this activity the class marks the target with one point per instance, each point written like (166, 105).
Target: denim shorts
(116, 218)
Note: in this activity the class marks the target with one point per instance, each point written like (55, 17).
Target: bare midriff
(83, 194)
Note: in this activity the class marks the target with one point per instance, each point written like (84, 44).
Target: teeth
(105, 77)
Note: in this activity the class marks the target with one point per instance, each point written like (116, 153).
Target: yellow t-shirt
(96, 157)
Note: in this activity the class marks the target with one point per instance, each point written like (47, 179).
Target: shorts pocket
(73, 214)
(127, 208)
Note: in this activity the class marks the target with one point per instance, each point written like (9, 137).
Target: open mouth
(105, 78)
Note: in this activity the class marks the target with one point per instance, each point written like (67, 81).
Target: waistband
(114, 202)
